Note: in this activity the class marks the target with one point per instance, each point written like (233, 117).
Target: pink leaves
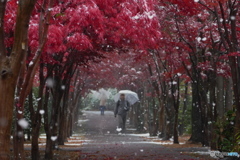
(205, 66)
(33, 34)
(85, 17)
(186, 7)
(234, 54)
(9, 22)
(79, 42)
(55, 40)
(136, 25)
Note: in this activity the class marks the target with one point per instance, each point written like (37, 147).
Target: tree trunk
(212, 117)
(145, 110)
(135, 117)
(220, 97)
(63, 129)
(229, 95)
(175, 129)
(161, 123)
(229, 38)
(196, 116)
(35, 148)
(76, 113)
(48, 151)
(185, 102)
(169, 119)
(9, 70)
(35, 115)
(64, 121)
(70, 125)
(155, 120)
(139, 119)
(131, 117)
(146, 116)
(204, 116)
(52, 126)
(49, 147)
(64, 113)
(234, 62)
(6, 114)
(176, 98)
(162, 112)
(18, 137)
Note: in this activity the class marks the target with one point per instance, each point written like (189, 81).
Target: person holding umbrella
(102, 95)
(121, 110)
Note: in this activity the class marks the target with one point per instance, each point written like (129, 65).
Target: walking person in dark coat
(121, 110)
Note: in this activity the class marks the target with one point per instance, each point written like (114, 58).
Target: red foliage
(9, 22)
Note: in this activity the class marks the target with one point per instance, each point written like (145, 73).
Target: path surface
(105, 143)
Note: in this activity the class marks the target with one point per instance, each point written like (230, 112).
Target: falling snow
(23, 123)
(41, 111)
(50, 82)
(54, 138)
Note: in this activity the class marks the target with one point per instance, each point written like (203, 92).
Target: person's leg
(120, 121)
(124, 117)
(101, 108)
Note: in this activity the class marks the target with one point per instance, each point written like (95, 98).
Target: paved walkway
(105, 143)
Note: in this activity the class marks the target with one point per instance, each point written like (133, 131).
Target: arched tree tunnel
(180, 57)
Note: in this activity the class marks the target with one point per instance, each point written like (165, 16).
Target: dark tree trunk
(155, 120)
(162, 125)
(176, 99)
(70, 125)
(196, 116)
(161, 119)
(35, 148)
(57, 95)
(139, 118)
(185, 102)
(175, 128)
(36, 116)
(230, 40)
(48, 150)
(236, 88)
(204, 114)
(53, 124)
(9, 70)
(49, 147)
(6, 114)
(229, 95)
(220, 97)
(212, 117)
(18, 140)
(64, 117)
(131, 122)
(169, 119)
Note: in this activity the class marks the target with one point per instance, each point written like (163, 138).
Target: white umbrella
(130, 96)
(103, 94)
(95, 94)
